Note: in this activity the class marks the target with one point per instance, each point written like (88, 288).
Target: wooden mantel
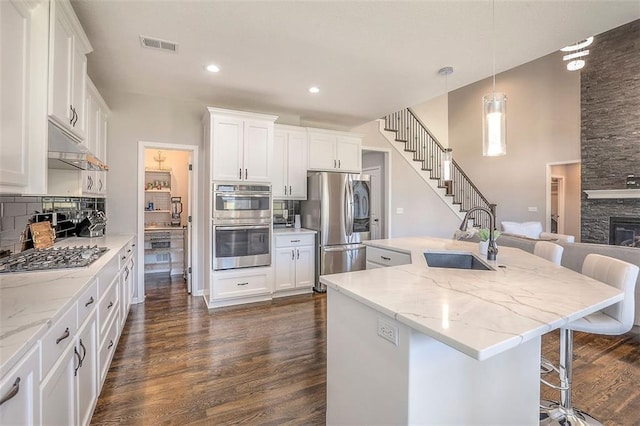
(612, 193)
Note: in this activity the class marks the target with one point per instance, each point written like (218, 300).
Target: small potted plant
(483, 235)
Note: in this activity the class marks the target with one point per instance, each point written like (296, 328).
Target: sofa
(574, 254)
(533, 230)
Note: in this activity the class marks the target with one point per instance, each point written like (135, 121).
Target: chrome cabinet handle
(339, 165)
(71, 119)
(385, 258)
(295, 241)
(240, 174)
(290, 192)
(89, 302)
(15, 388)
(109, 305)
(334, 164)
(75, 370)
(242, 283)
(110, 344)
(245, 174)
(76, 119)
(285, 190)
(64, 335)
(292, 255)
(124, 257)
(298, 251)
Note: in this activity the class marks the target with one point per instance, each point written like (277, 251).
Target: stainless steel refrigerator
(337, 207)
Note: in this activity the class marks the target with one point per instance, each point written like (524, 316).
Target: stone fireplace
(610, 133)
(624, 231)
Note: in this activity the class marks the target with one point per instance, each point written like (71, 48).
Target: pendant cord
(493, 41)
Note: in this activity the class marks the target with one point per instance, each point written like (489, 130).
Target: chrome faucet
(492, 251)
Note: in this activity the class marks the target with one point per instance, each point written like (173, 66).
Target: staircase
(425, 154)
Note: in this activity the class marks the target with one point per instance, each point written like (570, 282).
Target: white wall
(137, 118)
(424, 212)
(543, 126)
(434, 114)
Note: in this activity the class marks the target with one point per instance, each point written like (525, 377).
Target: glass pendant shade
(494, 124)
(446, 164)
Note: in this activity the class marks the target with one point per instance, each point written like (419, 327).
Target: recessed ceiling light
(314, 89)
(212, 68)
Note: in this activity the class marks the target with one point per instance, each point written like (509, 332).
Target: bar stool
(614, 320)
(548, 250)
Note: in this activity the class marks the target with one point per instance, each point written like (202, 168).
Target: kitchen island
(414, 344)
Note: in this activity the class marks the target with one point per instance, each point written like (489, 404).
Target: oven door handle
(240, 227)
(242, 194)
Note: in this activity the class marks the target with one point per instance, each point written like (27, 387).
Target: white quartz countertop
(288, 231)
(31, 301)
(480, 313)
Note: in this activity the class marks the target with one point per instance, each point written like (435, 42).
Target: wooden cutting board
(43, 235)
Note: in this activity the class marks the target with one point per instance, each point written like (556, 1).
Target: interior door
(375, 201)
(187, 232)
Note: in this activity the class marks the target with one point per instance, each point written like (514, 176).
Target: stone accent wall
(610, 126)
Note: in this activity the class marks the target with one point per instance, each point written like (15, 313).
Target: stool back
(618, 274)
(550, 251)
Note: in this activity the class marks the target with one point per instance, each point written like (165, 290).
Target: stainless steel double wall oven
(241, 225)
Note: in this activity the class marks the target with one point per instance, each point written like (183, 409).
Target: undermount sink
(455, 260)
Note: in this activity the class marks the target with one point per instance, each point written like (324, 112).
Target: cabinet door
(60, 71)
(279, 184)
(322, 151)
(57, 394)
(14, 50)
(23, 381)
(297, 165)
(101, 141)
(78, 91)
(258, 146)
(88, 181)
(87, 376)
(228, 136)
(305, 270)
(348, 154)
(285, 268)
(91, 140)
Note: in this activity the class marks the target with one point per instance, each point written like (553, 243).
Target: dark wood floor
(265, 364)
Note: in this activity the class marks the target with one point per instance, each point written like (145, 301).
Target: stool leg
(563, 413)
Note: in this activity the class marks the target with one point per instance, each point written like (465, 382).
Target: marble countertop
(479, 313)
(31, 301)
(288, 231)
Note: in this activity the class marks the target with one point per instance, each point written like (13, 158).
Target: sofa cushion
(528, 229)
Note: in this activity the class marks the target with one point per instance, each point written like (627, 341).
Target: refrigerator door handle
(349, 207)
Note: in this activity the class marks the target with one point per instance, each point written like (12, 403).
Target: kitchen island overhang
(495, 318)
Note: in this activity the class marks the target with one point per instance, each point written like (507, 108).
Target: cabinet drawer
(107, 308)
(108, 346)
(87, 302)
(294, 240)
(387, 257)
(107, 275)
(125, 254)
(239, 286)
(58, 337)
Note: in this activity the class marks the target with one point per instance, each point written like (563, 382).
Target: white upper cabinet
(68, 46)
(97, 114)
(23, 82)
(334, 151)
(241, 145)
(290, 163)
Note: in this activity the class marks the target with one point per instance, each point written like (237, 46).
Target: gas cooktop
(51, 258)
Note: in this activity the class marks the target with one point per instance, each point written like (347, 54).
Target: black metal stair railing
(430, 153)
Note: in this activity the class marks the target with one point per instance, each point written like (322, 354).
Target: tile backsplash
(16, 212)
(284, 211)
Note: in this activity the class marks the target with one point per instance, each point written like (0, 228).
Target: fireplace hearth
(624, 231)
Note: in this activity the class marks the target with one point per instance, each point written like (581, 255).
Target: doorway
(167, 210)
(375, 163)
(563, 198)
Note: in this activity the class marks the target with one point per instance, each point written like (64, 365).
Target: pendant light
(447, 157)
(494, 110)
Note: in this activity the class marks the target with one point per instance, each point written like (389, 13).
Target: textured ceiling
(369, 58)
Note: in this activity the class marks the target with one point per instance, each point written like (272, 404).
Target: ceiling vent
(156, 43)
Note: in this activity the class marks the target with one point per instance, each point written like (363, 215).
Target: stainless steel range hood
(66, 153)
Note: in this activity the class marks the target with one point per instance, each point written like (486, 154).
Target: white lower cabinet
(69, 389)
(294, 262)
(20, 393)
(380, 258)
